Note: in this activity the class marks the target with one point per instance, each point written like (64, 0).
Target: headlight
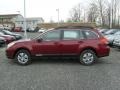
(10, 44)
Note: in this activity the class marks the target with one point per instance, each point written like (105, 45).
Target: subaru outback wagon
(85, 43)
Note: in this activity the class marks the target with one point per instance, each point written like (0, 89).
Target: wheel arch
(21, 49)
(89, 48)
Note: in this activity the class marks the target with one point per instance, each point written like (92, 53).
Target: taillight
(103, 40)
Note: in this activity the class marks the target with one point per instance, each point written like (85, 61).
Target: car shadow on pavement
(53, 61)
(65, 61)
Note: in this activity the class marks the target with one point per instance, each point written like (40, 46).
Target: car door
(71, 41)
(49, 44)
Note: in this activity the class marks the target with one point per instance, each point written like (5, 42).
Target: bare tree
(75, 13)
(118, 16)
(114, 5)
(92, 13)
(108, 12)
(101, 10)
(105, 12)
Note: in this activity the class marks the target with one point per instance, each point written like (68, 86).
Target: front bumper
(10, 53)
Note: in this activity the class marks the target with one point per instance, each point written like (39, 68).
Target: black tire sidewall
(87, 51)
(24, 51)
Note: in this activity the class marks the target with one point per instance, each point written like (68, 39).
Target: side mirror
(40, 40)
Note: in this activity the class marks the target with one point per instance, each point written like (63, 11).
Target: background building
(17, 20)
(9, 20)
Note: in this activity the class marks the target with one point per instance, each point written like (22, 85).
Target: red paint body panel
(61, 47)
(46, 47)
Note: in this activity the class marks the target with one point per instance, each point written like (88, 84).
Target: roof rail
(74, 27)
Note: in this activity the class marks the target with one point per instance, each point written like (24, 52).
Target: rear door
(71, 41)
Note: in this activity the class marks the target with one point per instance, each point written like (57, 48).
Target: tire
(23, 57)
(88, 57)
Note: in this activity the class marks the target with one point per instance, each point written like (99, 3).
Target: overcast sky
(40, 8)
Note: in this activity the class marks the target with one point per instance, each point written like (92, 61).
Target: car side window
(71, 34)
(90, 34)
(51, 35)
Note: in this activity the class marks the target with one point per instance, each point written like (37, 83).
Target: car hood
(1, 38)
(7, 36)
(22, 40)
(14, 34)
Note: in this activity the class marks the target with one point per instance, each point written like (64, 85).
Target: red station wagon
(85, 43)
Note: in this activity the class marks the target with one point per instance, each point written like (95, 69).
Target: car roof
(75, 27)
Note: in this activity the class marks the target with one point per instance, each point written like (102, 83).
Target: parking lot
(60, 74)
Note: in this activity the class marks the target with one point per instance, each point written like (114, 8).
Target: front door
(49, 44)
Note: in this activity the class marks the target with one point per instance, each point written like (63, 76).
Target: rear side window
(91, 34)
(71, 34)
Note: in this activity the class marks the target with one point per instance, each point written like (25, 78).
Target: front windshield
(40, 35)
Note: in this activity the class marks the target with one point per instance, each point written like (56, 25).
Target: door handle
(80, 41)
(57, 43)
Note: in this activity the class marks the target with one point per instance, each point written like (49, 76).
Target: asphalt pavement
(60, 74)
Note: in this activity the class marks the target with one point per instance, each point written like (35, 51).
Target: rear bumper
(104, 51)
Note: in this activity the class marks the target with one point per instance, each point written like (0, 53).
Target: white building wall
(30, 22)
(19, 21)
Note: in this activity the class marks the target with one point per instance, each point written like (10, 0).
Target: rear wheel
(87, 57)
(23, 57)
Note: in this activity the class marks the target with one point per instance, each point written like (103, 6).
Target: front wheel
(23, 57)
(88, 57)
